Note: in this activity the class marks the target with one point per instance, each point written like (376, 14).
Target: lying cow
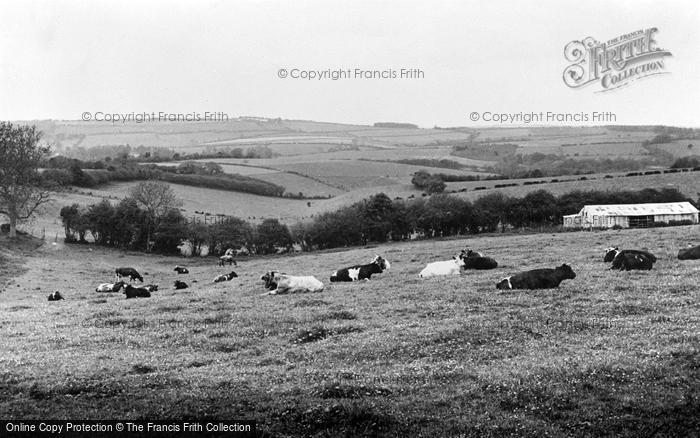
(110, 287)
(181, 270)
(227, 258)
(55, 296)
(128, 272)
(627, 261)
(538, 278)
(151, 287)
(361, 272)
(691, 253)
(446, 267)
(225, 277)
(177, 284)
(284, 283)
(136, 292)
(469, 253)
(611, 253)
(474, 261)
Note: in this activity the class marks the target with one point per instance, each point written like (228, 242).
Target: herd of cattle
(281, 283)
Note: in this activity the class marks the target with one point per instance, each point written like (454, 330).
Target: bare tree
(156, 197)
(20, 191)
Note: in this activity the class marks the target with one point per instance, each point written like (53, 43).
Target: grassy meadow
(608, 353)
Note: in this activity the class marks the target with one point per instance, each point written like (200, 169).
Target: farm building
(631, 215)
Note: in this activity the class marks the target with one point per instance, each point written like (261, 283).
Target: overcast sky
(60, 59)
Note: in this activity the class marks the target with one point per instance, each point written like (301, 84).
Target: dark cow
(128, 272)
(180, 284)
(181, 270)
(537, 278)
(136, 292)
(627, 261)
(469, 253)
(151, 287)
(55, 296)
(472, 261)
(692, 253)
(361, 272)
(225, 277)
(269, 279)
(227, 258)
(611, 253)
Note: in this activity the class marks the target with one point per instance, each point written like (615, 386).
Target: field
(687, 183)
(608, 353)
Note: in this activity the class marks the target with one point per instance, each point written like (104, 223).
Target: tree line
(149, 219)
(131, 224)
(63, 171)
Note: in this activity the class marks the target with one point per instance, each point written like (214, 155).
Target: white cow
(109, 287)
(284, 283)
(447, 267)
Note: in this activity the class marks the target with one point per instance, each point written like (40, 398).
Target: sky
(59, 59)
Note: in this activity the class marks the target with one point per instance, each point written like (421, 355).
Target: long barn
(631, 215)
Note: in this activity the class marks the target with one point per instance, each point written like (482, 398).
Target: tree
(377, 216)
(20, 191)
(157, 198)
(272, 234)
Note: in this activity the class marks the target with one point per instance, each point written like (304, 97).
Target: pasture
(608, 353)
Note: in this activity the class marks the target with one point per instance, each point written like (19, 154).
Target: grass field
(608, 353)
(687, 183)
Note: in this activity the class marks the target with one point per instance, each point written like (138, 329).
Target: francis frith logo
(616, 62)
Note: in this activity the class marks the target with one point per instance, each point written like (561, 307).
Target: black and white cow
(136, 292)
(55, 296)
(128, 272)
(181, 270)
(361, 272)
(225, 277)
(611, 253)
(474, 261)
(110, 287)
(538, 278)
(627, 261)
(279, 283)
(151, 287)
(177, 284)
(469, 253)
(227, 258)
(691, 253)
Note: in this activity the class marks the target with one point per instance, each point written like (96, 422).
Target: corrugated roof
(641, 209)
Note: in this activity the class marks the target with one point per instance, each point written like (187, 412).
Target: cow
(447, 267)
(538, 278)
(284, 283)
(227, 258)
(361, 272)
(181, 270)
(690, 253)
(627, 261)
(136, 292)
(225, 277)
(110, 287)
(474, 261)
(151, 287)
(611, 253)
(177, 284)
(469, 253)
(55, 296)
(128, 272)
